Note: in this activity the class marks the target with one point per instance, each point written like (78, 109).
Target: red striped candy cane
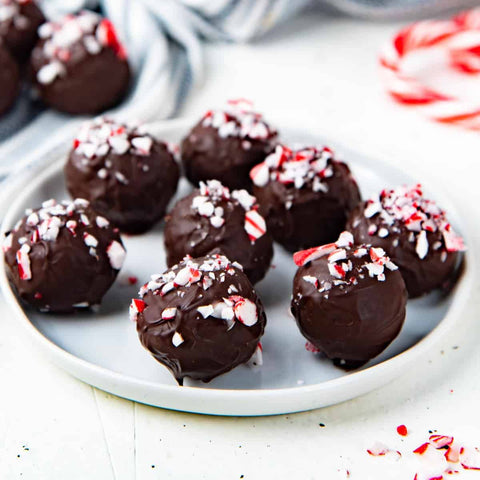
(460, 36)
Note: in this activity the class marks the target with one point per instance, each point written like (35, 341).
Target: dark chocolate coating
(209, 348)
(206, 155)
(9, 80)
(91, 84)
(64, 273)
(421, 275)
(20, 41)
(134, 207)
(314, 218)
(187, 232)
(350, 324)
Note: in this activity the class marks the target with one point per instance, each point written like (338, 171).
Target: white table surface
(324, 73)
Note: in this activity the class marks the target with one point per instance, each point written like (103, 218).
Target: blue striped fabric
(164, 41)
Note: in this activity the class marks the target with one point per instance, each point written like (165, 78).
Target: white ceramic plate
(103, 350)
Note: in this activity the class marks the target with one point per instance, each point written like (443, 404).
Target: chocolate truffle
(305, 195)
(226, 144)
(348, 300)
(9, 80)
(213, 218)
(414, 232)
(19, 22)
(127, 175)
(79, 66)
(63, 256)
(201, 318)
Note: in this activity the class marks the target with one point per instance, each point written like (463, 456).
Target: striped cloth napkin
(164, 42)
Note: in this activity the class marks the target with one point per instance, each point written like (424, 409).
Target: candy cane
(461, 38)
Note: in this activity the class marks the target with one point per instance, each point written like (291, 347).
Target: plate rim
(119, 384)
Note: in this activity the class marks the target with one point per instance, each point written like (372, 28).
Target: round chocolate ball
(348, 300)
(127, 175)
(305, 195)
(63, 256)
(226, 144)
(19, 22)
(213, 218)
(9, 80)
(201, 318)
(79, 66)
(414, 232)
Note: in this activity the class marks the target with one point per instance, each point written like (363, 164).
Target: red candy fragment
(421, 449)
(402, 430)
(139, 305)
(303, 257)
(108, 37)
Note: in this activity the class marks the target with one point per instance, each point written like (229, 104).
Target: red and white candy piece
(255, 225)
(107, 36)
(238, 119)
(245, 310)
(303, 257)
(187, 276)
(231, 308)
(136, 306)
(460, 36)
(23, 262)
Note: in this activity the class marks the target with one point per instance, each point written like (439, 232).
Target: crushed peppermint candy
(303, 257)
(308, 167)
(339, 257)
(103, 136)
(420, 216)
(45, 224)
(60, 38)
(230, 309)
(435, 459)
(237, 119)
(212, 193)
(136, 306)
(23, 262)
(188, 272)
